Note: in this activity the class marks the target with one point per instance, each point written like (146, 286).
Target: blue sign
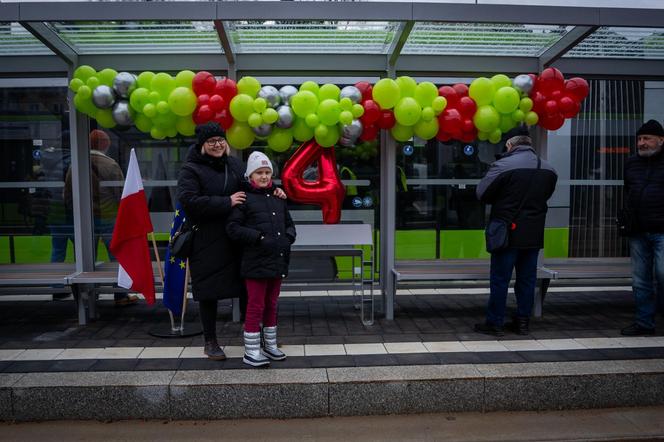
(408, 150)
(367, 201)
(36, 154)
(357, 201)
(468, 149)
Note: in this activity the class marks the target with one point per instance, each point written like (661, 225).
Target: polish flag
(130, 244)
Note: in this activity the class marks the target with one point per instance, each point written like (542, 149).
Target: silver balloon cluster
(350, 133)
(274, 99)
(116, 98)
(351, 92)
(523, 83)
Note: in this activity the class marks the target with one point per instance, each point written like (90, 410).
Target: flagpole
(184, 298)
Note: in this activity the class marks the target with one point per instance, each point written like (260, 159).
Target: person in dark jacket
(264, 228)
(644, 195)
(518, 186)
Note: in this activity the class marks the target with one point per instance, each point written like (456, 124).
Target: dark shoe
(127, 300)
(489, 329)
(519, 325)
(213, 351)
(637, 330)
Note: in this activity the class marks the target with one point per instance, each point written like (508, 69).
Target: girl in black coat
(264, 228)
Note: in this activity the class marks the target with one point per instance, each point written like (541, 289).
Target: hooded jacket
(514, 173)
(264, 228)
(204, 188)
(644, 192)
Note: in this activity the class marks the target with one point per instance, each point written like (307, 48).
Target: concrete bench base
(291, 393)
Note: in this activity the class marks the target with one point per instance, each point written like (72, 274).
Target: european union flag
(174, 271)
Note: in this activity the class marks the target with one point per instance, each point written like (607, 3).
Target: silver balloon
(271, 95)
(523, 83)
(122, 113)
(351, 92)
(263, 130)
(346, 142)
(353, 130)
(124, 84)
(286, 92)
(103, 97)
(286, 117)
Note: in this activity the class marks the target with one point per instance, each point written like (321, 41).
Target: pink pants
(262, 296)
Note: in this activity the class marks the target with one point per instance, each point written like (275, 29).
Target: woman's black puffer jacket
(204, 188)
(265, 229)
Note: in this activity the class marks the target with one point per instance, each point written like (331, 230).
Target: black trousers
(208, 312)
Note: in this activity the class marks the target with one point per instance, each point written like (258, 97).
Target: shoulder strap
(530, 181)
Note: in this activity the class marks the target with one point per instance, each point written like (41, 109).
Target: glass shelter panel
(615, 42)
(16, 40)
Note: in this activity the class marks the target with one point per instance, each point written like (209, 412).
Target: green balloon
(428, 113)
(407, 112)
(163, 107)
(184, 79)
(346, 103)
(439, 104)
(481, 90)
(143, 123)
(93, 82)
(254, 119)
(186, 126)
(406, 86)
(144, 79)
(518, 115)
(157, 133)
(402, 133)
(84, 91)
(260, 104)
(304, 103)
(280, 140)
(386, 93)
(486, 118)
(139, 98)
(270, 115)
(310, 86)
(531, 118)
(345, 117)
(526, 104)
(75, 84)
(301, 131)
(242, 105)
(321, 131)
(482, 136)
(312, 120)
(250, 86)
(84, 104)
(172, 132)
(163, 83)
(426, 129)
(84, 72)
(358, 110)
(328, 111)
(495, 136)
(150, 110)
(164, 121)
(506, 100)
(425, 93)
(182, 101)
(330, 138)
(506, 123)
(500, 80)
(240, 135)
(329, 91)
(106, 76)
(105, 118)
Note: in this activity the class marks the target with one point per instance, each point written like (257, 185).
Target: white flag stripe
(124, 280)
(133, 182)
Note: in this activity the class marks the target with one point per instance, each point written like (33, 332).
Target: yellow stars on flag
(182, 265)
(172, 260)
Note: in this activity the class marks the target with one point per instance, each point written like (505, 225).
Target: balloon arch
(325, 115)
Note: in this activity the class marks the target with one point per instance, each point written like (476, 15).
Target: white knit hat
(256, 161)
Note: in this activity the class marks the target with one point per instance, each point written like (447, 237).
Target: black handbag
(497, 232)
(182, 241)
(625, 222)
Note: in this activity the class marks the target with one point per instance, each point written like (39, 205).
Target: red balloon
(369, 133)
(386, 120)
(203, 83)
(467, 106)
(365, 88)
(535, 87)
(539, 100)
(216, 103)
(468, 137)
(551, 107)
(467, 125)
(203, 114)
(443, 136)
(552, 121)
(451, 121)
(568, 107)
(227, 88)
(461, 89)
(203, 99)
(551, 79)
(224, 118)
(371, 112)
(577, 87)
(450, 95)
(327, 191)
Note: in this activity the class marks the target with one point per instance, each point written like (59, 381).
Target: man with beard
(644, 196)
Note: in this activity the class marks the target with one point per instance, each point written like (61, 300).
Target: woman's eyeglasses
(216, 142)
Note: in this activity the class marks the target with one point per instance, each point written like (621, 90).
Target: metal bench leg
(236, 309)
(540, 293)
(80, 304)
(92, 302)
(390, 295)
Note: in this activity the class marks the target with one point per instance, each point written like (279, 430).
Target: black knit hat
(651, 127)
(519, 131)
(208, 130)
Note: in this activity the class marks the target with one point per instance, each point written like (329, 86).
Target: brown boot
(213, 351)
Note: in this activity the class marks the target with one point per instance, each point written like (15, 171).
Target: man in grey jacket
(518, 186)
